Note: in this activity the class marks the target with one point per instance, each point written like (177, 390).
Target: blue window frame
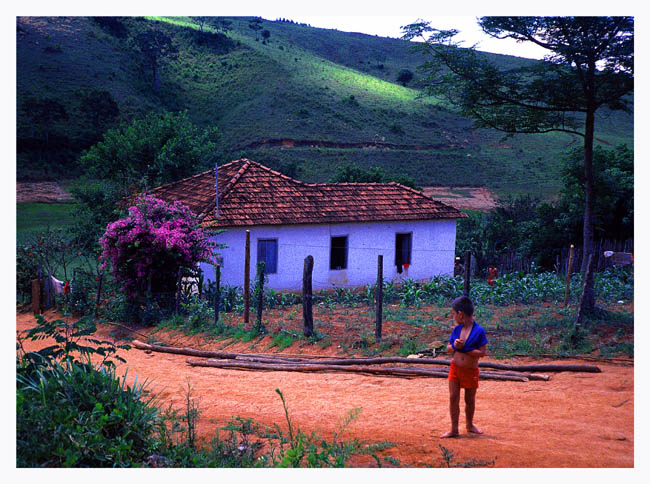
(267, 251)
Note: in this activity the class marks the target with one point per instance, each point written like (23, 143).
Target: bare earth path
(573, 420)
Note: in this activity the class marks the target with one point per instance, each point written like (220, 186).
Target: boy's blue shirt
(475, 340)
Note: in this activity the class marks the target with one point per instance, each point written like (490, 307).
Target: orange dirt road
(573, 420)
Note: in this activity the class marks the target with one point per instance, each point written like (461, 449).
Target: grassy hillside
(302, 84)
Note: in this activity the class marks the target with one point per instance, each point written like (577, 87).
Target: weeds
(449, 460)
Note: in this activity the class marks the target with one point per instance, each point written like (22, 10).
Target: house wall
(432, 253)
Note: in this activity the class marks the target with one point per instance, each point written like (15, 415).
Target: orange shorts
(467, 377)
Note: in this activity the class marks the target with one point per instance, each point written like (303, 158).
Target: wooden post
(247, 277)
(568, 276)
(99, 292)
(36, 296)
(178, 289)
(468, 257)
(260, 296)
(307, 315)
(379, 296)
(588, 275)
(217, 296)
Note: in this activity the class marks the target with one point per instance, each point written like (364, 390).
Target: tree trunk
(588, 222)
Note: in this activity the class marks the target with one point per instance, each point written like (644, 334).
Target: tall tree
(43, 113)
(255, 24)
(201, 21)
(154, 45)
(98, 106)
(590, 65)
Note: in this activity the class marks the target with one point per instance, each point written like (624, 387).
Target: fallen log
(360, 361)
(547, 368)
(182, 351)
(374, 370)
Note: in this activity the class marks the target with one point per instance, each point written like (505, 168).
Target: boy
(467, 343)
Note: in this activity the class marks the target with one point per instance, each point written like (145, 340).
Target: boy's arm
(478, 353)
(450, 349)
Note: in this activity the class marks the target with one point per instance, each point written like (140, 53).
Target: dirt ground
(464, 198)
(573, 420)
(45, 192)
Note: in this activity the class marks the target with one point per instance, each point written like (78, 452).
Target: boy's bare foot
(474, 430)
(451, 433)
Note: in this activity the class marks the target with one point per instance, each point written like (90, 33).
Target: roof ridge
(231, 183)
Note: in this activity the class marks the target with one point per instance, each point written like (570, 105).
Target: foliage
(26, 271)
(539, 230)
(404, 76)
(155, 45)
(158, 149)
(55, 251)
(74, 415)
(449, 460)
(354, 174)
(589, 66)
(43, 112)
(70, 413)
(98, 206)
(147, 248)
(304, 450)
(613, 210)
(99, 106)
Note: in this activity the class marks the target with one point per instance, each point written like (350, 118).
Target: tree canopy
(590, 65)
(158, 149)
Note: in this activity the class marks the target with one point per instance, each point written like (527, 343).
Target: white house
(344, 226)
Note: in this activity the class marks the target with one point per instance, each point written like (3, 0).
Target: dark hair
(464, 304)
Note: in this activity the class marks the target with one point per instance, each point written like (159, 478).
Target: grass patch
(32, 218)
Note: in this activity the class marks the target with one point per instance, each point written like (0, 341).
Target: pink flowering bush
(152, 243)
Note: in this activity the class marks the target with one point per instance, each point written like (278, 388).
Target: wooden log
(374, 370)
(307, 298)
(551, 368)
(182, 351)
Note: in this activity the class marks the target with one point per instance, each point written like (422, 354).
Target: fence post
(379, 296)
(307, 315)
(99, 292)
(178, 289)
(247, 277)
(467, 272)
(568, 276)
(260, 296)
(36, 296)
(217, 296)
(589, 274)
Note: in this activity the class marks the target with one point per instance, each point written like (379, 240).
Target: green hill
(306, 100)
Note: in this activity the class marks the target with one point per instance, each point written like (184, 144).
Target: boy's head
(463, 305)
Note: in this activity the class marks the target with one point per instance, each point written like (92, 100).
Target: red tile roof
(252, 194)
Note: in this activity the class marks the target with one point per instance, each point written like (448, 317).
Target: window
(402, 250)
(339, 253)
(267, 251)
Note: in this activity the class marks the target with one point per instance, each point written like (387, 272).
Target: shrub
(149, 246)
(75, 415)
